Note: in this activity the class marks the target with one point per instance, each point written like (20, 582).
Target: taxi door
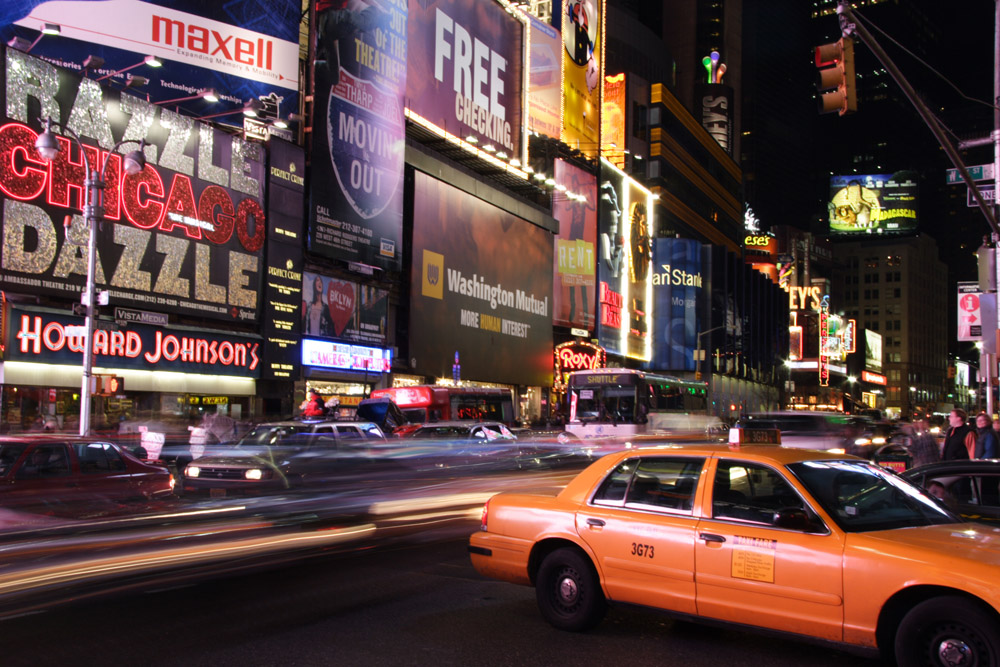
(758, 567)
(641, 529)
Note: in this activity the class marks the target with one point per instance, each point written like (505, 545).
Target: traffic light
(113, 385)
(836, 77)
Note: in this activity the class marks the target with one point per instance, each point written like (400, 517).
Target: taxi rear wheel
(948, 631)
(568, 591)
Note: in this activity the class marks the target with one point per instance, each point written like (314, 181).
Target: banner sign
(575, 258)
(52, 339)
(677, 286)
(334, 308)
(482, 287)
(873, 204)
(716, 101)
(356, 206)
(545, 63)
(613, 120)
(241, 50)
(344, 356)
(625, 257)
(466, 74)
(873, 350)
(185, 235)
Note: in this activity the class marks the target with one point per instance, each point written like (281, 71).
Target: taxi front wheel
(949, 631)
(568, 591)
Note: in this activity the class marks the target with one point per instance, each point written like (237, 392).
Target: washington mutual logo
(433, 281)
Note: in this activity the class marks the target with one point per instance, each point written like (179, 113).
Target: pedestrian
(923, 446)
(313, 406)
(960, 440)
(986, 438)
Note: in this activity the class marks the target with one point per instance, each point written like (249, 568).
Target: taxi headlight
(837, 451)
(878, 441)
(192, 471)
(254, 473)
(862, 441)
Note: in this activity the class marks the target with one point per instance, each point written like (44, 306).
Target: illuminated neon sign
(577, 356)
(328, 354)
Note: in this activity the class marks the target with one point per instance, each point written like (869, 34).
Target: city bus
(625, 402)
(430, 403)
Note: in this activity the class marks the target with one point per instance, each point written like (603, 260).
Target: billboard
(613, 120)
(583, 69)
(356, 194)
(545, 79)
(625, 285)
(482, 289)
(677, 286)
(716, 102)
(873, 204)
(575, 258)
(243, 50)
(467, 75)
(873, 350)
(185, 235)
(333, 308)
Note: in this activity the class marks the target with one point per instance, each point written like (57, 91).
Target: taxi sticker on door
(753, 558)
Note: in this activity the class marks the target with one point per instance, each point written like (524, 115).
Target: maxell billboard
(356, 205)
(242, 50)
(185, 235)
(466, 74)
(482, 289)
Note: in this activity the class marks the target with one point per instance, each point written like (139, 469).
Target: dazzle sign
(184, 235)
(356, 207)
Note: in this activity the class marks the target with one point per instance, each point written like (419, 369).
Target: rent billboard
(575, 259)
(482, 289)
(873, 204)
(677, 287)
(241, 50)
(356, 205)
(467, 76)
(184, 235)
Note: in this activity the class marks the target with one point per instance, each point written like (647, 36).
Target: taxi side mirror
(795, 518)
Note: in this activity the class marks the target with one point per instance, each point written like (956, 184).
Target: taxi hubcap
(568, 590)
(954, 653)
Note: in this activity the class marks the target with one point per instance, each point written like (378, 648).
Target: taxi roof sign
(753, 436)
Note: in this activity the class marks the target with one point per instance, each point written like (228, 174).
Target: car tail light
(172, 482)
(486, 514)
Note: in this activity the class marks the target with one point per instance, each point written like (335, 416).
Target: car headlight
(254, 473)
(878, 441)
(861, 442)
(192, 471)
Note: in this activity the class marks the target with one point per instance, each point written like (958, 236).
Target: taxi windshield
(863, 497)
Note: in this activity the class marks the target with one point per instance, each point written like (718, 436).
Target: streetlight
(47, 146)
(913, 392)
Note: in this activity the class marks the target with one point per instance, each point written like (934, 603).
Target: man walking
(960, 440)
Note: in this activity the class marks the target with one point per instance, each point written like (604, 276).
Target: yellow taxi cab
(816, 544)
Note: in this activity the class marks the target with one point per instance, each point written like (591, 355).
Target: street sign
(987, 190)
(970, 326)
(979, 172)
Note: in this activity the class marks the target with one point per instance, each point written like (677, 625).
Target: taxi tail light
(486, 513)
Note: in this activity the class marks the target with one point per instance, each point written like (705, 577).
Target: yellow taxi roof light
(753, 436)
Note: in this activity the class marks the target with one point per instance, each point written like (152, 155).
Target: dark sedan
(971, 488)
(68, 475)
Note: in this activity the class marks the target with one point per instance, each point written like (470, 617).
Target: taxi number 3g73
(645, 550)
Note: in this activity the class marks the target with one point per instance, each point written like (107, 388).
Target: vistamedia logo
(433, 282)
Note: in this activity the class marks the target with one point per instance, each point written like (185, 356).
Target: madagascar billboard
(583, 70)
(467, 76)
(874, 204)
(356, 200)
(184, 235)
(575, 260)
(482, 289)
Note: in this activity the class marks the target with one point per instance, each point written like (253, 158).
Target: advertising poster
(575, 260)
(185, 235)
(873, 204)
(334, 308)
(482, 289)
(545, 62)
(677, 286)
(241, 49)
(613, 120)
(356, 205)
(873, 350)
(467, 75)
(583, 64)
(716, 102)
(625, 302)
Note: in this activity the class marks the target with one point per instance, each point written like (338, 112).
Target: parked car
(808, 543)
(67, 475)
(284, 455)
(803, 429)
(971, 488)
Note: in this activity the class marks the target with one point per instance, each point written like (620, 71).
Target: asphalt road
(407, 604)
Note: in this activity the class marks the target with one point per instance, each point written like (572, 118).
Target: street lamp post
(47, 146)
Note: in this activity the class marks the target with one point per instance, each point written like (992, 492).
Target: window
(753, 493)
(98, 457)
(45, 461)
(652, 483)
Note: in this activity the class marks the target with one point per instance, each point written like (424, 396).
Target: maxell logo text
(202, 40)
